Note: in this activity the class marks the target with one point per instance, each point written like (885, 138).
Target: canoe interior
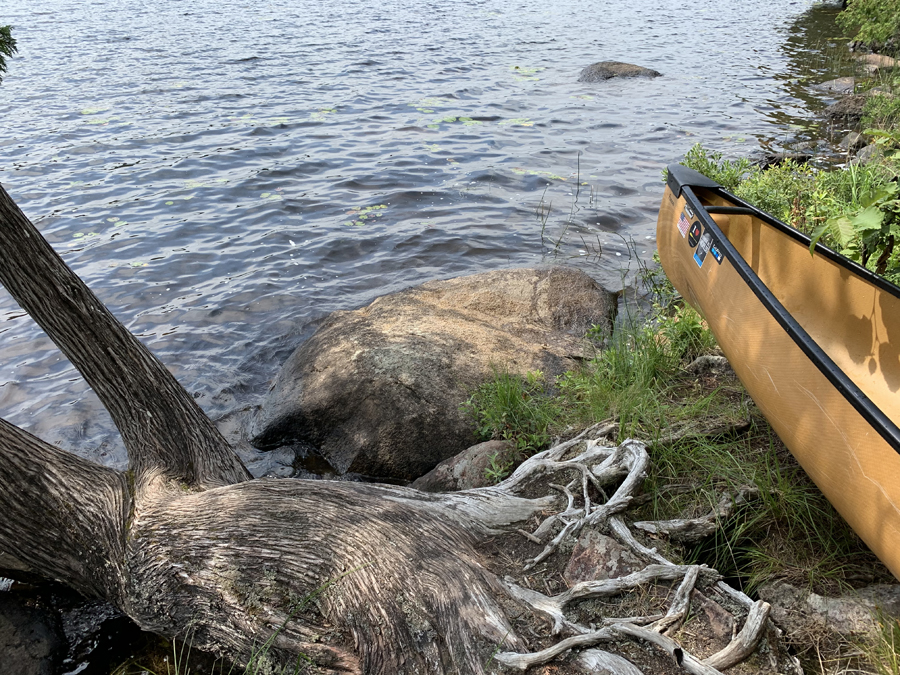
(822, 409)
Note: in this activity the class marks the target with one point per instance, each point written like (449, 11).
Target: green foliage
(881, 112)
(884, 651)
(498, 469)
(515, 409)
(855, 210)
(873, 20)
(784, 190)
(7, 47)
(728, 173)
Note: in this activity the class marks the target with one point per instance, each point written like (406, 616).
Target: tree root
(594, 467)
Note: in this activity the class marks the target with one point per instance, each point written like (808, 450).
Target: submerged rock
(31, 641)
(841, 85)
(378, 391)
(604, 70)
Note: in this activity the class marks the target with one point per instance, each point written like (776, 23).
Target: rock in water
(604, 70)
(379, 390)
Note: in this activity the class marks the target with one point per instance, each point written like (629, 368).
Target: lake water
(225, 174)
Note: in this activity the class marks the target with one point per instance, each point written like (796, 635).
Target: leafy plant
(728, 173)
(873, 20)
(868, 232)
(7, 47)
(497, 468)
(516, 409)
(784, 190)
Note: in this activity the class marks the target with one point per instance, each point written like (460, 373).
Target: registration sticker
(703, 248)
(683, 225)
(716, 252)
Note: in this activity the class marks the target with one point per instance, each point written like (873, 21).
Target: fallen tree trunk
(346, 577)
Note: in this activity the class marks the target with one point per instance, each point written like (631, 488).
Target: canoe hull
(810, 407)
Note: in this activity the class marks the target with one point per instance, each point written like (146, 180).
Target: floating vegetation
(321, 113)
(517, 122)
(363, 214)
(116, 221)
(467, 121)
(271, 195)
(434, 147)
(169, 203)
(94, 111)
(586, 97)
(530, 172)
(525, 74)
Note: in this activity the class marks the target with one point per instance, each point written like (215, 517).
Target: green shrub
(727, 173)
(784, 190)
(873, 20)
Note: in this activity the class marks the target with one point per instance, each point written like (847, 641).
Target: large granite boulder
(605, 70)
(379, 390)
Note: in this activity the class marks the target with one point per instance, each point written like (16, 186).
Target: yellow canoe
(815, 339)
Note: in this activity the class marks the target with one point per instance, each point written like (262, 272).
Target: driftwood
(352, 577)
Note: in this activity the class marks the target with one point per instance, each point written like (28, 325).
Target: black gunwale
(880, 422)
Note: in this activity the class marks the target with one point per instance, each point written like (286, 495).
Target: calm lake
(225, 174)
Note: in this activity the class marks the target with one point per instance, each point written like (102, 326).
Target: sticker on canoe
(717, 252)
(703, 248)
(694, 234)
(683, 225)
(689, 210)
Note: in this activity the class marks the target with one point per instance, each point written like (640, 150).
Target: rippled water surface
(224, 174)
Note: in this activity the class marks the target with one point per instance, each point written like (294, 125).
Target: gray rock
(468, 469)
(31, 641)
(597, 556)
(378, 391)
(799, 611)
(842, 85)
(604, 70)
(847, 111)
(869, 153)
(852, 142)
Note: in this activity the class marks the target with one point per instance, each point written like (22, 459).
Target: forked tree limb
(63, 515)
(162, 426)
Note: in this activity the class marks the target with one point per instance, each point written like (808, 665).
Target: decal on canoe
(716, 251)
(703, 248)
(683, 225)
(689, 210)
(694, 233)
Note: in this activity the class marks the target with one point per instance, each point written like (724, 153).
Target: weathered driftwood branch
(162, 426)
(683, 658)
(693, 529)
(745, 642)
(599, 661)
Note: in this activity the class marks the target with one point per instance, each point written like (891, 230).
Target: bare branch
(162, 426)
(62, 515)
(745, 642)
(668, 645)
